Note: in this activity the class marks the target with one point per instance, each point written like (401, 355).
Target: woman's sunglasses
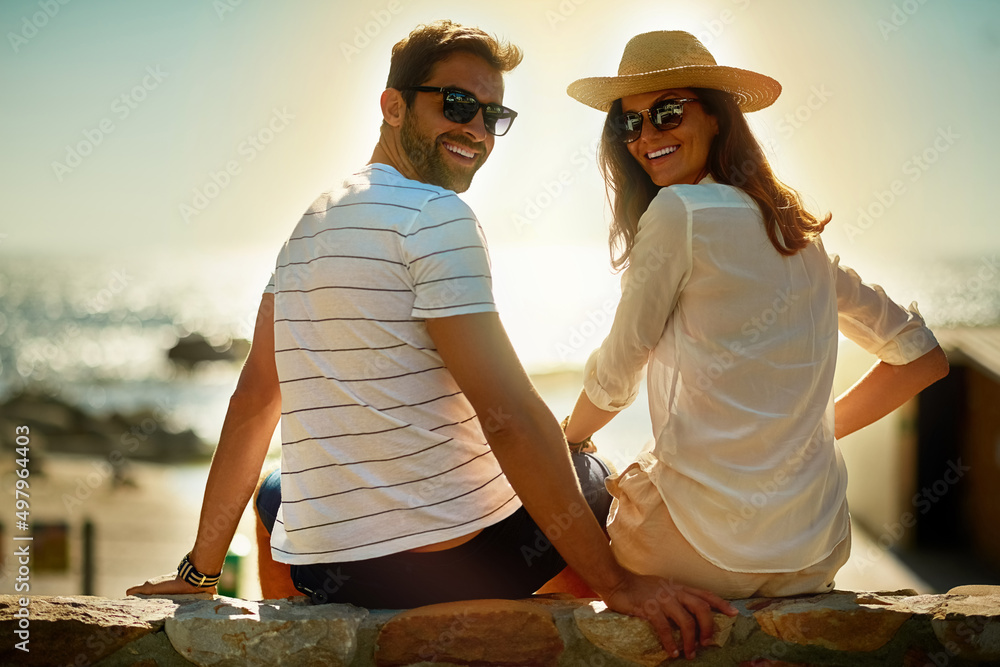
(462, 107)
(664, 115)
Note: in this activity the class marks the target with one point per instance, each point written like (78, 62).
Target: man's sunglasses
(462, 107)
(664, 115)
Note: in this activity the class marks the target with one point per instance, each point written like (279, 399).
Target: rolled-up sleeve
(867, 316)
(659, 265)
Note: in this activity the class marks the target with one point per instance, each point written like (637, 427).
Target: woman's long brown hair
(735, 158)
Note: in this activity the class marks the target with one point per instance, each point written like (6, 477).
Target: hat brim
(752, 91)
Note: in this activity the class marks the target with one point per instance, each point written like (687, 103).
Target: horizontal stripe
(365, 379)
(361, 257)
(377, 229)
(456, 305)
(350, 349)
(445, 252)
(458, 423)
(363, 289)
(392, 509)
(398, 537)
(345, 435)
(354, 463)
(413, 405)
(362, 203)
(366, 405)
(440, 224)
(344, 229)
(388, 430)
(325, 407)
(410, 320)
(439, 280)
(386, 486)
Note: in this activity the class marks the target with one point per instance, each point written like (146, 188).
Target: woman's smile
(677, 155)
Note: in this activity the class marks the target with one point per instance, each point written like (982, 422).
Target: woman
(731, 301)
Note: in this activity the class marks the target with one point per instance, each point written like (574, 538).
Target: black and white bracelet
(188, 573)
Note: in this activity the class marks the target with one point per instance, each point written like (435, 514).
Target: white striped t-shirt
(381, 451)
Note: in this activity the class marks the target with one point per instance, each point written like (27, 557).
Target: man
(407, 421)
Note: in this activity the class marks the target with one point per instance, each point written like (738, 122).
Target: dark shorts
(510, 559)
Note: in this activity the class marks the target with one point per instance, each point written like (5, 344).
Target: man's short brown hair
(414, 56)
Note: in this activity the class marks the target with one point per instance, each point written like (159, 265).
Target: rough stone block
(152, 650)
(837, 629)
(473, 632)
(975, 589)
(77, 630)
(969, 626)
(838, 621)
(632, 638)
(227, 632)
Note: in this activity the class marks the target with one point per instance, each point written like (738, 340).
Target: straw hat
(673, 59)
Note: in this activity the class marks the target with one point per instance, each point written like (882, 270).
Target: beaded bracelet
(188, 573)
(586, 445)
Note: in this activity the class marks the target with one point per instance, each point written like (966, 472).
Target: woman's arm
(884, 388)
(910, 357)
(659, 265)
(586, 419)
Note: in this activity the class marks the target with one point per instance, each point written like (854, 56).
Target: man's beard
(424, 153)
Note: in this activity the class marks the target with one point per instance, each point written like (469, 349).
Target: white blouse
(741, 346)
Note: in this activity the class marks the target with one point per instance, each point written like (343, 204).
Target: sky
(139, 128)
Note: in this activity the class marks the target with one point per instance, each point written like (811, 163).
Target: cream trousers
(645, 540)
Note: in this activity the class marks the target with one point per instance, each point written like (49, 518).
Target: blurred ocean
(97, 332)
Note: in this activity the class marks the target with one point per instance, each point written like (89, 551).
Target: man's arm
(532, 451)
(253, 413)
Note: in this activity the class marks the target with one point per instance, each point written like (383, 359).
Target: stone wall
(840, 628)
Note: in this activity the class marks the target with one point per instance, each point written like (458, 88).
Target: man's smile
(467, 154)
